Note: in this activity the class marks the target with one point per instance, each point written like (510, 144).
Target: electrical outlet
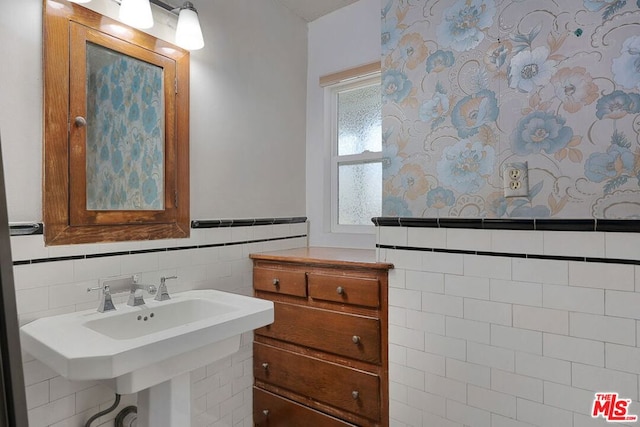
(516, 179)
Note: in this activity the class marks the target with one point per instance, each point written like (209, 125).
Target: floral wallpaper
(471, 85)
(125, 133)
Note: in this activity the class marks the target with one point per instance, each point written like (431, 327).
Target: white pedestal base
(167, 404)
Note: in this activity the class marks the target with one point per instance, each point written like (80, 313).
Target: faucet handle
(163, 293)
(106, 303)
(98, 288)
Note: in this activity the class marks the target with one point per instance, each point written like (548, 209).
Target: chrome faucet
(106, 303)
(135, 297)
(163, 294)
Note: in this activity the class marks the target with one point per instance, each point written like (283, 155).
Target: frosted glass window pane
(359, 120)
(360, 193)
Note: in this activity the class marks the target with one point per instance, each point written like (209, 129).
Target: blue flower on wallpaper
(540, 131)
(395, 86)
(538, 211)
(439, 61)
(439, 198)
(626, 67)
(391, 162)
(117, 97)
(118, 196)
(134, 112)
(474, 111)
(603, 166)
(149, 119)
(530, 69)
(149, 191)
(610, 6)
(497, 54)
(136, 81)
(134, 180)
(106, 185)
(597, 5)
(617, 104)
(496, 205)
(434, 110)
(104, 153)
(157, 156)
(395, 206)
(147, 94)
(157, 81)
(136, 150)
(117, 161)
(465, 165)
(115, 74)
(147, 164)
(462, 24)
(390, 34)
(104, 92)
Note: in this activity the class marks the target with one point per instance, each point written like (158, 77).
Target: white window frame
(331, 101)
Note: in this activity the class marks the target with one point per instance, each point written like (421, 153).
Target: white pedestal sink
(148, 349)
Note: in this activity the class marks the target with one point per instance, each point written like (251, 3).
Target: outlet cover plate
(516, 179)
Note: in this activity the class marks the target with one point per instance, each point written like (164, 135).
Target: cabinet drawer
(270, 410)
(344, 289)
(280, 281)
(345, 388)
(350, 335)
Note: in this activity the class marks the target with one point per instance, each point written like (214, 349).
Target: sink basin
(134, 348)
(136, 324)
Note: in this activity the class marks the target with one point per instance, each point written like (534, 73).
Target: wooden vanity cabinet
(323, 361)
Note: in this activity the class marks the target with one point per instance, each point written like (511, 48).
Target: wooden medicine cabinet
(116, 130)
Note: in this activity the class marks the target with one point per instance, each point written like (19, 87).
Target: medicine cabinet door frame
(68, 31)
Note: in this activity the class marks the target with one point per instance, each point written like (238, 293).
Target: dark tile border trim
(35, 228)
(26, 229)
(513, 255)
(217, 223)
(146, 251)
(540, 224)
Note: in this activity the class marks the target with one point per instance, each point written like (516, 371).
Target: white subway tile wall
(221, 393)
(497, 341)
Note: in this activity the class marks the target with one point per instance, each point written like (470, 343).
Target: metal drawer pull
(355, 394)
(265, 366)
(340, 290)
(276, 282)
(355, 339)
(265, 412)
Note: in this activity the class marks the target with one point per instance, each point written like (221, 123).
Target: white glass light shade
(136, 13)
(188, 31)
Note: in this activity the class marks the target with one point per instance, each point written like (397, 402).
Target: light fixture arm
(166, 6)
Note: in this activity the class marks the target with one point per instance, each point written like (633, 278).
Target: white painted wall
(341, 40)
(248, 97)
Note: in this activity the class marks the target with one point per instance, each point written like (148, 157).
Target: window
(356, 153)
